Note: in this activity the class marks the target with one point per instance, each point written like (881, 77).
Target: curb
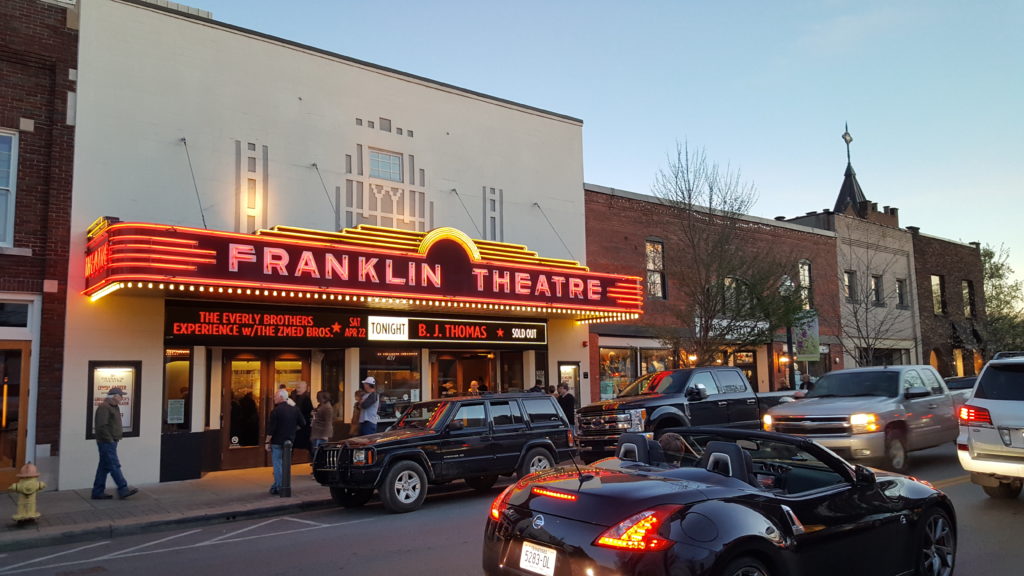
(54, 536)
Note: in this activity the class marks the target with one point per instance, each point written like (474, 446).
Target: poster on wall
(105, 375)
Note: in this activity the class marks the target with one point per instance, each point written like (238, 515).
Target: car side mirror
(916, 392)
(863, 475)
(696, 393)
(456, 425)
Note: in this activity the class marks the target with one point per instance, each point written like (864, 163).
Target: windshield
(857, 384)
(425, 415)
(637, 387)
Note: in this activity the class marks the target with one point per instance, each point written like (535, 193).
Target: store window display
(617, 370)
(397, 374)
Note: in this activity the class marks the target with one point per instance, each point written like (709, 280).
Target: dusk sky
(933, 91)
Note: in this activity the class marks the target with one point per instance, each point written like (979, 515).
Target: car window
(706, 379)
(471, 415)
(505, 413)
(932, 382)
(666, 383)
(1001, 382)
(911, 379)
(423, 415)
(964, 383)
(542, 410)
(639, 386)
(869, 383)
(730, 382)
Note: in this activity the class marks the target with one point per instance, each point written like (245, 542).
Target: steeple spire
(850, 194)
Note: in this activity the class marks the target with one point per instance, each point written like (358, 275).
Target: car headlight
(864, 423)
(636, 419)
(362, 457)
(766, 422)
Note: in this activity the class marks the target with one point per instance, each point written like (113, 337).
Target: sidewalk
(71, 515)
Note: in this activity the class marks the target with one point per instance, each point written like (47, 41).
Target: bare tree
(873, 320)
(731, 284)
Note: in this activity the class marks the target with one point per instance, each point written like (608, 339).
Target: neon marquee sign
(440, 265)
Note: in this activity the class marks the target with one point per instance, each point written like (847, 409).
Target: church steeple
(850, 194)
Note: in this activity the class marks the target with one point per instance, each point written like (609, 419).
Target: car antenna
(583, 477)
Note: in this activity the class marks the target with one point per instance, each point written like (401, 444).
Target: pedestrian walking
(568, 402)
(108, 430)
(368, 407)
(305, 405)
(285, 419)
(323, 422)
(355, 412)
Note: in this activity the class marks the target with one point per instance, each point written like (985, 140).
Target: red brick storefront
(38, 57)
(618, 225)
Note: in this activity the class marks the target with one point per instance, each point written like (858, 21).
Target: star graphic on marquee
(336, 327)
(501, 332)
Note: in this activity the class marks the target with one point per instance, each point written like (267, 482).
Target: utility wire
(459, 196)
(555, 230)
(326, 193)
(194, 185)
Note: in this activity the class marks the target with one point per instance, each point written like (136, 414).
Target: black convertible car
(720, 502)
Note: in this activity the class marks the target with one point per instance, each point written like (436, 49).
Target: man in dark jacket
(108, 431)
(284, 420)
(568, 402)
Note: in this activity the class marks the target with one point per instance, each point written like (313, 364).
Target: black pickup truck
(703, 396)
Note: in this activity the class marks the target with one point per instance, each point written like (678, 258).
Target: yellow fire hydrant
(26, 488)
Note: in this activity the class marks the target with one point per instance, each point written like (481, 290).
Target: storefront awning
(370, 266)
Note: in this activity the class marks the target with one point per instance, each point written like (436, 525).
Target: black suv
(474, 438)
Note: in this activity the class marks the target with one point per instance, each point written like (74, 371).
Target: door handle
(723, 403)
(751, 401)
(933, 406)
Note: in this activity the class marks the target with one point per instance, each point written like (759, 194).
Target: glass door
(13, 408)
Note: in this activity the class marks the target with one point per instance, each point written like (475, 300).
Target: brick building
(620, 227)
(38, 54)
(950, 302)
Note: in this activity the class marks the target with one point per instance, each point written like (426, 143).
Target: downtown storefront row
(202, 327)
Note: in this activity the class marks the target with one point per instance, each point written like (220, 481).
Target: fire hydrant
(26, 488)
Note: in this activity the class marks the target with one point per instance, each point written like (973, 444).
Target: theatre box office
(220, 321)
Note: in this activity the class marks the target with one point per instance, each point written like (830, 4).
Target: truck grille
(812, 425)
(328, 458)
(602, 424)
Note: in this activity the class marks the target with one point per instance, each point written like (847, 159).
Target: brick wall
(37, 52)
(941, 333)
(618, 227)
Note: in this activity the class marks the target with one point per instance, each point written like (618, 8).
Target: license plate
(537, 559)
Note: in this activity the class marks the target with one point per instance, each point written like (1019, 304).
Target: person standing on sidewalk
(108, 430)
(323, 422)
(285, 419)
(568, 403)
(368, 407)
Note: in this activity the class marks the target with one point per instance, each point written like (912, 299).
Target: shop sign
(441, 264)
(190, 323)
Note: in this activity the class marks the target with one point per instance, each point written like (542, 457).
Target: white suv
(991, 441)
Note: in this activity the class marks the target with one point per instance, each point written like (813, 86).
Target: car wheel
(1005, 490)
(536, 459)
(481, 483)
(895, 451)
(745, 566)
(937, 545)
(350, 497)
(404, 487)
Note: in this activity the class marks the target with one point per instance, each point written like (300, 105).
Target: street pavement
(73, 516)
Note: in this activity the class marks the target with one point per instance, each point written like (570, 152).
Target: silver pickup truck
(879, 413)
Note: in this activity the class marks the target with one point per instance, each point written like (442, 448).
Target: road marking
(127, 550)
(941, 484)
(7, 568)
(246, 529)
(304, 521)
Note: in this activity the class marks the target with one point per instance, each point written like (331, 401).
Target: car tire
(404, 487)
(895, 451)
(1004, 491)
(350, 497)
(536, 459)
(936, 541)
(481, 483)
(745, 566)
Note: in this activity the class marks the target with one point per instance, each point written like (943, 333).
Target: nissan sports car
(720, 502)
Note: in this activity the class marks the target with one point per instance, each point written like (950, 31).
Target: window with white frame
(8, 185)
(655, 269)
(805, 285)
(385, 165)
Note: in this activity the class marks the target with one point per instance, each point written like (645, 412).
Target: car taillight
(571, 438)
(639, 532)
(556, 494)
(501, 503)
(974, 416)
